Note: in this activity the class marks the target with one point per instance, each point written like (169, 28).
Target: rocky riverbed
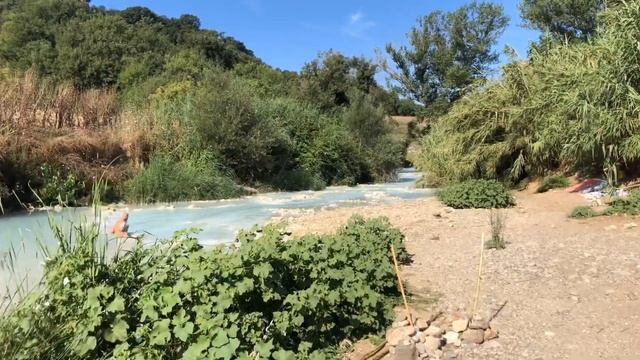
(571, 288)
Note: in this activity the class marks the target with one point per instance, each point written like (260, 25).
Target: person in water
(121, 228)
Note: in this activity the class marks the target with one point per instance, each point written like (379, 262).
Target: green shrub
(197, 177)
(629, 205)
(583, 212)
(487, 194)
(58, 188)
(553, 182)
(177, 300)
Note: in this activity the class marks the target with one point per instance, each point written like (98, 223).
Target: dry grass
(27, 101)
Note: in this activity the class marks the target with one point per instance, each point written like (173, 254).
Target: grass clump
(583, 212)
(629, 205)
(169, 179)
(553, 182)
(497, 220)
(176, 300)
(476, 194)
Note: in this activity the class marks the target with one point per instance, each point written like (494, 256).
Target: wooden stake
(404, 297)
(477, 296)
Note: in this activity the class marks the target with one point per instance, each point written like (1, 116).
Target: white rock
(432, 344)
(452, 337)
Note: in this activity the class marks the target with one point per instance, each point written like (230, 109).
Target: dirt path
(572, 287)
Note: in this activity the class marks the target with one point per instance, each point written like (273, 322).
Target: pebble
(549, 333)
(421, 348)
(490, 334)
(630, 225)
(460, 325)
(402, 323)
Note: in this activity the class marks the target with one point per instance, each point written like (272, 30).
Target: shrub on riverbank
(476, 194)
(553, 182)
(175, 300)
(572, 106)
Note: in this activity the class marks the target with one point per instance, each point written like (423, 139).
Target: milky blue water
(219, 220)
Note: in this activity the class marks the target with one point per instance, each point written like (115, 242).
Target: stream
(219, 220)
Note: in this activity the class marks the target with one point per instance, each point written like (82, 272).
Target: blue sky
(288, 33)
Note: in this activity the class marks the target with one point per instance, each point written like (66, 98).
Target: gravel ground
(572, 287)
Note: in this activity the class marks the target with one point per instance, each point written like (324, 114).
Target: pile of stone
(437, 336)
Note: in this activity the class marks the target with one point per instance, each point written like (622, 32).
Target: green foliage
(167, 178)
(553, 182)
(176, 300)
(487, 194)
(571, 108)
(330, 80)
(629, 205)
(583, 212)
(447, 53)
(59, 188)
(92, 46)
(574, 19)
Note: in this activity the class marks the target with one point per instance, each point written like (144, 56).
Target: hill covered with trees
(166, 110)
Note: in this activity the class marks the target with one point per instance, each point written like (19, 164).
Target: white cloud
(358, 25)
(356, 17)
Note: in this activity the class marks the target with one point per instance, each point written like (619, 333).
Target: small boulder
(396, 336)
(473, 336)
(434, 331)
(432, 344)
(401, 323)
(422, 324)
(405, 352)
(452, 338)
(460, 325)
(421, 348)
(479, 322)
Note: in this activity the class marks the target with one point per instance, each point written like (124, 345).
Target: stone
(438, 354)
(448, 210)
(450, 355)
(453, 338)
(434, 237)
(490, 334)
(460, 325)
(434, 331)
(432, 344)
(405, 352)
(418, 337)
(479, 322)
(630, 225)
(421, 348)
(473, 336)
(401, 323)
(422, 324)
(396, 336)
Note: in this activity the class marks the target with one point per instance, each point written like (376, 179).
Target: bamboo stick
(477, 295)
(404, 297)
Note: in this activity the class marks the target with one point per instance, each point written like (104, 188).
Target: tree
(447, 52)
(328, 79)
(563, 19)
